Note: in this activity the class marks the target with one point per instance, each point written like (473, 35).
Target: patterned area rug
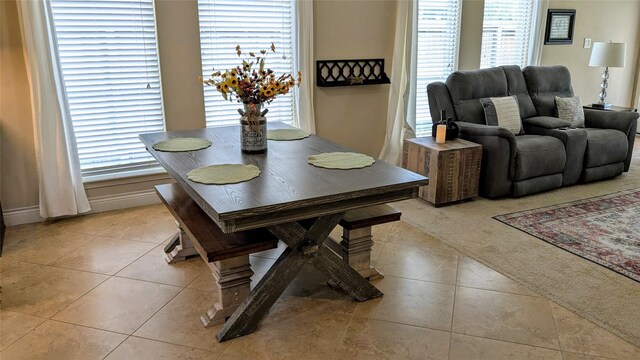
(604, 229)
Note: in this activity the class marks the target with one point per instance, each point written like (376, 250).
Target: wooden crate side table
(453, 168)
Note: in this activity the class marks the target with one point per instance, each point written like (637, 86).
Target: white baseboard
(123, 201)
(31, 214)
(19, 216)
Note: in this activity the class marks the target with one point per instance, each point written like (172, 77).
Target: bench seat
(210, 242)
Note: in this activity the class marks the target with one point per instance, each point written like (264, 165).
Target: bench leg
(233, 282)
(179, 248)
(356, 251)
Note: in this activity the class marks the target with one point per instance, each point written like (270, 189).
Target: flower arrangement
(251, 82)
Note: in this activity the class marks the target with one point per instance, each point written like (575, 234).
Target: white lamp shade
(608, 54)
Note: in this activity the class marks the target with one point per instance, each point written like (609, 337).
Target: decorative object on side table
(606, 55)
(449, 130)
(252, 84)
(560, 24)
(453, 168)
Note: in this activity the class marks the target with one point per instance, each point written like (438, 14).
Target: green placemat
(287, 134)
(182, 144)
(341, 160)
(223, 174)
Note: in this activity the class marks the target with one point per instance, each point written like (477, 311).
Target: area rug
(604, 229)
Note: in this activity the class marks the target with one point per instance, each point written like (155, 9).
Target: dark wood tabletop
(288, 188)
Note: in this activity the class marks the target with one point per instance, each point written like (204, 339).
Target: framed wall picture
(560, 23)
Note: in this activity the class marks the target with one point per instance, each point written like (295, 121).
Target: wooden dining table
(298, 203)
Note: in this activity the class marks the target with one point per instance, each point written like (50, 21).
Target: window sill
(125, 177)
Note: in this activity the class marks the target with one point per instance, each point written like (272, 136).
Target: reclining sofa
(547, 154)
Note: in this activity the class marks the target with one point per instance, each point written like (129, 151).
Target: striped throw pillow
(503, 112)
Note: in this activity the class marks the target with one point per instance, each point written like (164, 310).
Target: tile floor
(97, 287)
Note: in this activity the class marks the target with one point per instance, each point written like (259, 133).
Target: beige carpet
(590, 290)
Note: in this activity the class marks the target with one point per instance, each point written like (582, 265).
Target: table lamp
(606, 55)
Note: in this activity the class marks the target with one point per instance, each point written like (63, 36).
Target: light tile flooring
(97, 287)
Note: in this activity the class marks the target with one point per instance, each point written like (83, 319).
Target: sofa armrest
(499, 148)
(485, 130)
(625, 121)
(545, 122)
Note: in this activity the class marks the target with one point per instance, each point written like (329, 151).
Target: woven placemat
(182, 144)
(223, 174)
(341, 160)
(287, 134)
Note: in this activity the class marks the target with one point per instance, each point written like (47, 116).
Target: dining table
(297, 202)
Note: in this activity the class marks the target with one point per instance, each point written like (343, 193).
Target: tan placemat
(287, 134)
(223, 174)
(182, 144)
(341, 160)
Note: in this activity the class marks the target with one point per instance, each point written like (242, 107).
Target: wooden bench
(355, 247)
(227, 255)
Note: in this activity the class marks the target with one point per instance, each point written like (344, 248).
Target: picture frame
(560, 24)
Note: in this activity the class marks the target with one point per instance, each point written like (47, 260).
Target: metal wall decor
(350, 72)
(560, 24)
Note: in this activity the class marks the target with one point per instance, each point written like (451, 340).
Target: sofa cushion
(516, 85)
(605, 146)
(466, 87)
(570, 109)
(538, 155)
(503, 112)
(544, 83)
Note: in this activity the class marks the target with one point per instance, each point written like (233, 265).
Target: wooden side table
(453, 168)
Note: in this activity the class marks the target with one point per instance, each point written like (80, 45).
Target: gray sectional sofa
(546, 155)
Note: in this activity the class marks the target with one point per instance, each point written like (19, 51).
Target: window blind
(109, 62)
(438, 42)
(254, 25)
(506, 32)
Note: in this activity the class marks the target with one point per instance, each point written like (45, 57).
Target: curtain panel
(304, 62)
(61, 188)
(401, 117)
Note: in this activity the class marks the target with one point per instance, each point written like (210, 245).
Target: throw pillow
(570, 109)
(503, 112)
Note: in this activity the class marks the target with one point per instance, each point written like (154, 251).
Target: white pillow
(570, 109)
(503, 112)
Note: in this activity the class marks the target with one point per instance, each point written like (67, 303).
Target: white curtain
(401, 119)
(304, 62)
(61, 189)
(538, 24)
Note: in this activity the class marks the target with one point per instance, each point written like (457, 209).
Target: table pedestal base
(304, 245)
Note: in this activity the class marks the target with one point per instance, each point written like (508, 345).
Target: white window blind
(109, 62)
(438, 42)
(254, 25)
(506, 32)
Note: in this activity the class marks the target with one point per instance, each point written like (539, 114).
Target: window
(438, 42)
(109, 61)
(506, 32)
(254, 25)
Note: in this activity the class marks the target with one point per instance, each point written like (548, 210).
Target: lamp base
(601, 106)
